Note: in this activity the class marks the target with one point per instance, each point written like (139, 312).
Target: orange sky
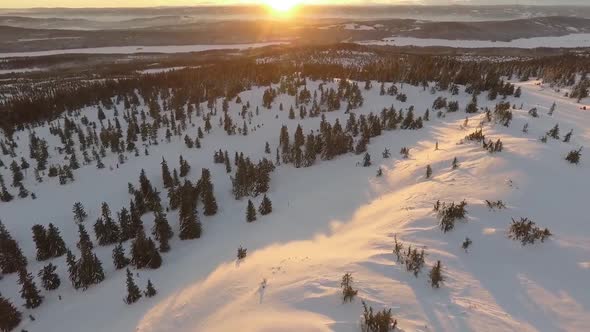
(141, 3)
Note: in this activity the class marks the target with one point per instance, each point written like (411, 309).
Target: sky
(153, 3)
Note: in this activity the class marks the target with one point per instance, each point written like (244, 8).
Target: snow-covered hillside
(338, 217)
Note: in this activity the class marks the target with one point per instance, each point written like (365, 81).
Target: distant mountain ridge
(165, 30)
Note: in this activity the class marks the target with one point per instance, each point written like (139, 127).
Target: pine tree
(22, 191)
(428, 171)
(552, 109)
(150, 291)
(29, 291)
(56, 245)
(250, 212)
(184, 167)
(10, 317)
(136, 224)
(11, 256)
(206, 190)
(72, 269)
(144, 252)
(348, 293)
(84, 241)
(88, 269)
(5, 195)
(79, 214)
(166, 177)
(466, 244)
(17, 175)
(435, 275)
(40, 239)
(49, 279)
(125, 225)
(266, 206)
(227, 163)
(242, 252)
(245, 129)
(106, 229)
(568, 136)
(554, 132)
(190, 226)
(367, 160)
(133, 292)
(119, 259)
(162, 231)
(267, 148)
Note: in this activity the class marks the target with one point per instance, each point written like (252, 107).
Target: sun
(282, 6)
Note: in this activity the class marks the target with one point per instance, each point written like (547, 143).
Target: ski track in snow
(334, 218)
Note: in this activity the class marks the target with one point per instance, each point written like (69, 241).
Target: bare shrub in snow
(381, 321)
(449, 213)
(574, 156)
(435, 275)
(348, 293)
(527, 232)
(499, 205)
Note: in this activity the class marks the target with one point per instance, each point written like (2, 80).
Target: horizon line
(301, 5)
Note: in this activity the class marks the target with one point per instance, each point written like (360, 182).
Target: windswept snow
(336, 217)
(568, 41)
(140, 49)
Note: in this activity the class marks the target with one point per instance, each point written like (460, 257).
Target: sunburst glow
(282, 6)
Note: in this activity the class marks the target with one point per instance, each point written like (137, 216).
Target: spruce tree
(265, 206)
(29, 291)
(89, 269)
(119, 259)
(5, 195)
(79, 213)
(190, 226)
(166, 177)
(17, 175)
(144, 252)
(125, 225)
(49, 279)
(136, 222)
(242, 252)
(162, 231)
(72, 269)
(184, 167)
(40, 239)
(150, 291)
(206, 190)
(106, 229)
(22, 191)
(250, 212)
(227, 163)
(367, 160)
(10, 317)
(554, 132)
(435, 275)
(57, 246)
(154, 260)
(267, 148)
(133, 292)
(568, 136)
(11, 256)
